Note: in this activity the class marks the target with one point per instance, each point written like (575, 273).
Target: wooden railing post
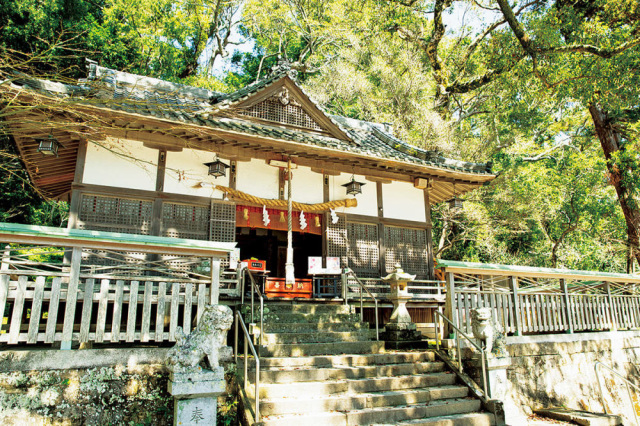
(567, 303)
(513, 283)
(450, 308)
(344, 287)
(6, 258)
(612, 313)
(72, 298)
(215, 281)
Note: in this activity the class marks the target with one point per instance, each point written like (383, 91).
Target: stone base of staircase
(319, 368)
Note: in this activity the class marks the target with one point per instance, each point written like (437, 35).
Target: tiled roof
(131, 93)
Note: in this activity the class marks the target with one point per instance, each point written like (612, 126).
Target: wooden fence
(108, 288)
(542, 301)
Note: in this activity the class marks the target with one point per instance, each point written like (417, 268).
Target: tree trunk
(610, 140)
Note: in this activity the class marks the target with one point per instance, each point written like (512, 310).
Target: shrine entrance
(271, 246)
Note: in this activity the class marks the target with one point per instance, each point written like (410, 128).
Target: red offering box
(276, 287)
(256, 265)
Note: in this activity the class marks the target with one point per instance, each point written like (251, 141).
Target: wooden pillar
(326, 217)
(72, 299)
(567, 304)
(427, 215)
(450, 307)
(612, 312)
(74, 204)
(215, 281)
(513, 283)
(382, 260)
(233, 174)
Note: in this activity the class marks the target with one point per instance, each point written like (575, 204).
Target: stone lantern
(400, 328)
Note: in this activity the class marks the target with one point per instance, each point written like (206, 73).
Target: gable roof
(139, 97)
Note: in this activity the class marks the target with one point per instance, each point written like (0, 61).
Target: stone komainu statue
(205, 341)
(486, 329)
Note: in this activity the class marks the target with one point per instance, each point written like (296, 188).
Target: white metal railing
(597, 366)
(349, 272)
(458, 334)
(254, 289)
(248, 344)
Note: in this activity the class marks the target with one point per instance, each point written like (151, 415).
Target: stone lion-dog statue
(487, 330)
(204, 341)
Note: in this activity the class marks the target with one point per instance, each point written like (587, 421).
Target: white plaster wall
(121, 163)
(306, 186)
(367, 201)
(401, 200)
(185, 170)
(257, 178)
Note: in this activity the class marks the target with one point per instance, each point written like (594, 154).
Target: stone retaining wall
(558, 370)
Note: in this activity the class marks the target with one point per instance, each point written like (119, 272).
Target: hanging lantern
(217, 168)
(48, 146)
(353, 187)
(456, 203)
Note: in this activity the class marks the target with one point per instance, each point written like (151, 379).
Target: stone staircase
(319, 367)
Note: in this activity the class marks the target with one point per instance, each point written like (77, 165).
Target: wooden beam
(50, 180)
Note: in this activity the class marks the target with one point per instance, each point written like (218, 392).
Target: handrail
(349, 271)
(459, 333)
(254, 289)
(247, 344)
(626, 382)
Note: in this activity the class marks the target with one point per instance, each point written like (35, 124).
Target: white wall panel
(367, 201)
(401, 200)
(257, 178)
(185, 170)
(121, 163)
(306, 186)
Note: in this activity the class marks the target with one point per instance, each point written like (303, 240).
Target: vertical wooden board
(600, 305)
(592, 311)
(563, 314)
(635, 311)
(506, 303)
(117, 311)
(531, 317)
(544, 300)
(608, 321)
(18, 309)
(581, 311)
(132, 311)
(87, 305)
(202, 293)
(173, 321)
(72, 298)
(102, 310)
(162, 291)
(52, 315)
(188, 302)
(501, 314)
(467, 310)
(36, 309)
(540, 319)
(4, 293)
(146, 311)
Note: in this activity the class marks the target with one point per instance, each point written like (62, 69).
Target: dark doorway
(271, 246)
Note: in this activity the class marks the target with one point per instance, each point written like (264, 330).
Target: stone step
(346, 402)
(316, 337)
(310, 317)
(378, 415)
(304, 308)
(467, 419)
(332, 348)
(291, 375)
(373, 384)
(305, 327)
(351, 360)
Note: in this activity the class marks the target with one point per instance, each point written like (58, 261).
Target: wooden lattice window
(363, 249)
(223, 221)
(407, 246)
(337, 240)
(185, 221)
(115, 214)
(280, 108)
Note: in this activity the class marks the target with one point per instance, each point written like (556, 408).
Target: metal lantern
(456, 203)
(48, 146)
(354, 187)
(217, 168)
